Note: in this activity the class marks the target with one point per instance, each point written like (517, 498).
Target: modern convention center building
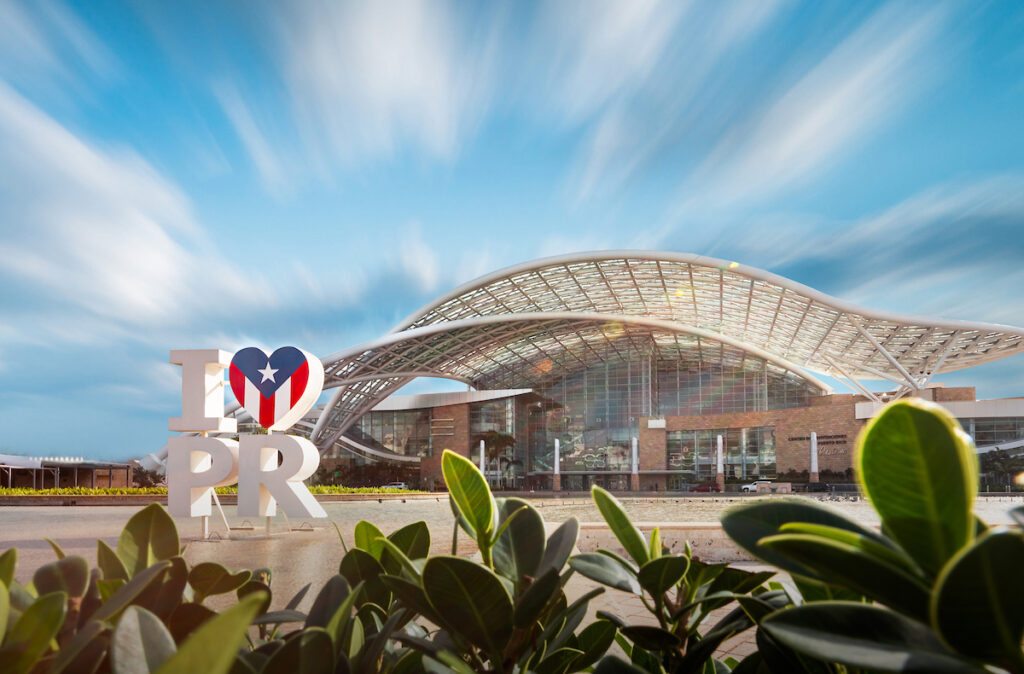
(622, 369)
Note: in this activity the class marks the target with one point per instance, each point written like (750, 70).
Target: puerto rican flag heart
(277, 390)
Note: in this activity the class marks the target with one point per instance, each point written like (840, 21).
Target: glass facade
(494, 423)
(747, 453)
(994, 430)
(595, 413)
(402, 431)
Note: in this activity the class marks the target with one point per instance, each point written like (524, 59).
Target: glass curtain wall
(747, 453)
(994, 430)
(595, 413)
(693, 388)
(401, 431)
(494, 422)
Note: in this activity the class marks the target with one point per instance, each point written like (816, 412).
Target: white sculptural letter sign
(276, 390)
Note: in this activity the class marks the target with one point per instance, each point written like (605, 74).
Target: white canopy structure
(516, 326)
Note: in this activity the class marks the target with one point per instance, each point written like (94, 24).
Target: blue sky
(188, 175)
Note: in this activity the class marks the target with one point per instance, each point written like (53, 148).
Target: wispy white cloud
(46, 44)
(417, 258)
(369, 78)
(100, 233)
(656, 82)
(861, 85)
(595, 51)
(270, 166)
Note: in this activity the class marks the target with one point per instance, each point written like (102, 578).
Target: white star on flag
(268, 373)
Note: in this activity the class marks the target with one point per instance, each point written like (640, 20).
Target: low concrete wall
(707, 539)
(225, 499)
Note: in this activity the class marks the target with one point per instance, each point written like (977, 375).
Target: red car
(707, 486)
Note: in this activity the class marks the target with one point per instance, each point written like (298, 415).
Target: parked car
(396, 485)
(752, 487)
(707, 486)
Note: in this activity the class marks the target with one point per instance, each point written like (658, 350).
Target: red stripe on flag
(299, 379)
(266, 411)
(237, 384)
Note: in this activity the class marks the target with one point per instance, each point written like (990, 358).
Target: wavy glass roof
(570, 311)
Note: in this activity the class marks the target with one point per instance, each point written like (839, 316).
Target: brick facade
(449, 429)
(832, 417)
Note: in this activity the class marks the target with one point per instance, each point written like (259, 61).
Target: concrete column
(483, 459)
(814, 457)
(634, 477)
(556, 478)
(720, 467)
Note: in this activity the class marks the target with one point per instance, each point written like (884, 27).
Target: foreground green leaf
(211, 578)
(212, 648)
(855, 569)
(109, 563)
(8, 562)
(748, 524)
(606, 571)
(469, 490)
(5, 609)
(978, 605)
(864, 636)
(470, 598)
(658, 575)
(310, 652)
(69, 575)
(618, 521)
(921, 473)
(149, 536)
(140, 643)
(559, 546)
(366, 535)
(29, 638)
(520, 547)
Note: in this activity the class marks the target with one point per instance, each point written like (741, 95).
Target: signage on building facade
(828, 445)
(277, 390)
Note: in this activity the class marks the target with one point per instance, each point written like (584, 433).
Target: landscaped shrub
(936, 591)
(141, 610)
(81, 491)
(680, 591)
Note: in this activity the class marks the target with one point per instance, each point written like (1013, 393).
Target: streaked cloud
(272, 169)
(593, 52)
(670, 95)
(417, 258)
(101, 233)
(366, 79)
(951, 250)
(47, 44)
(862, 84)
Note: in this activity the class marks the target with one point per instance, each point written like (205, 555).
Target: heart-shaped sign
(277, 390)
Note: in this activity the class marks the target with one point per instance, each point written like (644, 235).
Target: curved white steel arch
(703, 261)
(775, 313)
(448, 348)
(396, 338)
(773, 318)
